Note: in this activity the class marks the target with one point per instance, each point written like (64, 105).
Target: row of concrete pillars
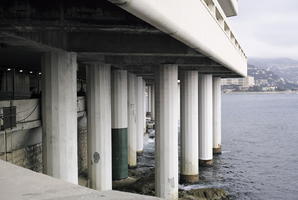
(116, 122)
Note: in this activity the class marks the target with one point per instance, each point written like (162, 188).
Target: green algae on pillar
(119, 125)
(119, 154)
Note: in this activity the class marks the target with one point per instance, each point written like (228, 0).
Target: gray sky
(267, 28)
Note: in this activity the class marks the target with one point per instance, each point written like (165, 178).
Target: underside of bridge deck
(98, 31)
(59, 48)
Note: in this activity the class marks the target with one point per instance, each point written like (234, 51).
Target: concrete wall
(22, 144)
(29, 157)
(14, 84)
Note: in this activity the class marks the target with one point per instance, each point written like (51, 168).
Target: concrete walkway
(17, 183)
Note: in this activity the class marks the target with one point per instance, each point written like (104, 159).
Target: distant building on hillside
(246, 82)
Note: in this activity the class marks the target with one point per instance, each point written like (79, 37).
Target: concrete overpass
(115, 47)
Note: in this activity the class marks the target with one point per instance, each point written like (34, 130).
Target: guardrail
(217, 13)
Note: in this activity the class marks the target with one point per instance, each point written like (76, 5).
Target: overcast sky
(267, 28)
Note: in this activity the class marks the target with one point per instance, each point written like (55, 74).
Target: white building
(246, 82)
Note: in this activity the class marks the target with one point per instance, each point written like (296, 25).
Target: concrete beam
(127, 41)
(120, 46)
(203, 66)
(65, 13)
(117, 41)
(151, 60)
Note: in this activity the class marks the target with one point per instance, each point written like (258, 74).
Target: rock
(151, 133)
(204, 194)
(144, 184)
(124, 182)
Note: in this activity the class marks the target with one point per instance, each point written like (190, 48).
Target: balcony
(230, 7)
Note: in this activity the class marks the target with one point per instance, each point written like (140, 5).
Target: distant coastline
(262, 92)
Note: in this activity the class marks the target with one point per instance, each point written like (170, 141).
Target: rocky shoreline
(141, 179)
(143, 183)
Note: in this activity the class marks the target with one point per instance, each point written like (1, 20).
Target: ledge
(18, 183)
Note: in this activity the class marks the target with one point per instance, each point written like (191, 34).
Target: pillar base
(189, 178)
(217, 150)
(139, 153)
(206, 163)
(132, 167)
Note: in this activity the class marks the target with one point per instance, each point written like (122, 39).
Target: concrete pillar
(149, 89)
(166, 142)
(146, 93)
(179, 109)
(216, 115)
(132, 121)
(82, 144)
(145, 99)
(59, 115)
(205, 119)
(140, 115)
(119, 125)
(189, 172)
(153, 103)
(99, 126)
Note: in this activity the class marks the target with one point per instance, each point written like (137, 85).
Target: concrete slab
(18, 183)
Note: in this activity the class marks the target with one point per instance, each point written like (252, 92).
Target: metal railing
(217, 13)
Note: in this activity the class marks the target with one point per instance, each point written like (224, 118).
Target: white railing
(219, 16)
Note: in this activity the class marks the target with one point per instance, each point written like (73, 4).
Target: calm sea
(260, 147)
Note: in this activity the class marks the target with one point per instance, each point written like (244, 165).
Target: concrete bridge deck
(17, 183)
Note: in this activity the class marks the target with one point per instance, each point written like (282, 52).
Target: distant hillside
(283, 67)
(267, 78)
